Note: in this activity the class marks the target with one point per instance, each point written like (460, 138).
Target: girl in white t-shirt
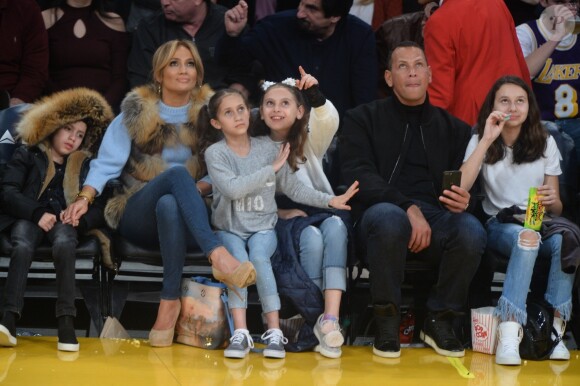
(513, 152)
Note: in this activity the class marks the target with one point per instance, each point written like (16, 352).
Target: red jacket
(23, 49)
(469, 45)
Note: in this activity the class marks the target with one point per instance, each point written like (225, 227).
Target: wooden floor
(35, 361)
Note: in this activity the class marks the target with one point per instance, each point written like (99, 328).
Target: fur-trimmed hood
(52, 112)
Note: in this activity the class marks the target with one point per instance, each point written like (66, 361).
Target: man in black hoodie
(398, 149)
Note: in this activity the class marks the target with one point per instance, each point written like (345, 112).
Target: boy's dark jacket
(29, 172)
(373, 147)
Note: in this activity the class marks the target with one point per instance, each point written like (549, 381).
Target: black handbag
(537, 343)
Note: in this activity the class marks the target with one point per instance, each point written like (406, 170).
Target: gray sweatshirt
(244, 188)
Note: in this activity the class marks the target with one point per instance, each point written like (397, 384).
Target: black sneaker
(8, 330)
(438, 333)
(387, 319)
(67, 340)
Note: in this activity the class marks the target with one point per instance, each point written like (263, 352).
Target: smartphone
(451, 177)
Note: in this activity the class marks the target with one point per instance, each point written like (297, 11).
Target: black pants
(26, 236)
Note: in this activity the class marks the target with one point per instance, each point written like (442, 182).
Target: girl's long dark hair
(207, 135)
(298, 132)
(531, 143)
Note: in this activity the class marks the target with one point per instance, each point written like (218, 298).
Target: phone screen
(451, 177)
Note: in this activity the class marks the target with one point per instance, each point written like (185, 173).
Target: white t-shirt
(506, 184)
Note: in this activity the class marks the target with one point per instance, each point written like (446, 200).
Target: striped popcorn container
(484, 330)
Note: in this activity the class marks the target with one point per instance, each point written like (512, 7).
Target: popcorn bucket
(484, 328)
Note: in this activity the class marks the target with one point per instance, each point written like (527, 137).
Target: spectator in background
(470, 44)
(551, 51)
(24, 50)
(522, 10)
(141, 10)
(375, 12)
(88, 48)
(407, 27)
(336, 48)
(200, 21)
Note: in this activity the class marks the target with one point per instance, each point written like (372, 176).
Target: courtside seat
(139, 273)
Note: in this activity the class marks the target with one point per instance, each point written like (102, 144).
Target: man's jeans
(512, 303)
(26, 236)
(457, 243)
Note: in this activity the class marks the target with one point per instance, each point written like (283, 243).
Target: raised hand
(236, 18)
(282, 157)
(494, 125)
(306, 80)
(339, 202)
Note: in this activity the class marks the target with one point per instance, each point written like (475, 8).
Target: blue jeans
(258, 249)
(25, 237)
(457, 243)
(169, 214)
(572, 128)
(512, 303)
(323, 253)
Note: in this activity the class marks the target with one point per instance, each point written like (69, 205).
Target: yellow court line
(462, 370)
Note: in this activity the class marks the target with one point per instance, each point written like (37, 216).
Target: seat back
(9, 118)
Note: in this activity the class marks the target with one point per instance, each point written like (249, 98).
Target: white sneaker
(560, 352)
(508, 346)
(328, 332)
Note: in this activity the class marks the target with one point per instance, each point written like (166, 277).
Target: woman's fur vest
(149, 135)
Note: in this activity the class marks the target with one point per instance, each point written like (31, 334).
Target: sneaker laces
(511, 344)
(274, 336)
(239, 336)
(333, 323)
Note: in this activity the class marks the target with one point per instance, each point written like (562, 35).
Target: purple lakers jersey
(556, 85)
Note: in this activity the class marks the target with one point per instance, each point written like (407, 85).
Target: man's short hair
(336, 7)
(403, 44)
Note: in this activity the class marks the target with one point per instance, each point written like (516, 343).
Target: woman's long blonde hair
(166, 51)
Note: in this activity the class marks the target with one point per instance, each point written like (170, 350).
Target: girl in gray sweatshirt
(246, 173)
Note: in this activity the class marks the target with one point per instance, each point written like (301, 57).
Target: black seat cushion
(125, 251)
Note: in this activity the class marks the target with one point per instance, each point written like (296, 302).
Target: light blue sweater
(116, 147)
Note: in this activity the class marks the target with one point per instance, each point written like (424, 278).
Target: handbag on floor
(204, 320)
(537, 343)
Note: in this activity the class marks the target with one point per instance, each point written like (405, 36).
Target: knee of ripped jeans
(529, 239)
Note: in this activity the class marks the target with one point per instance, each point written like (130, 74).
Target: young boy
(42, 179)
